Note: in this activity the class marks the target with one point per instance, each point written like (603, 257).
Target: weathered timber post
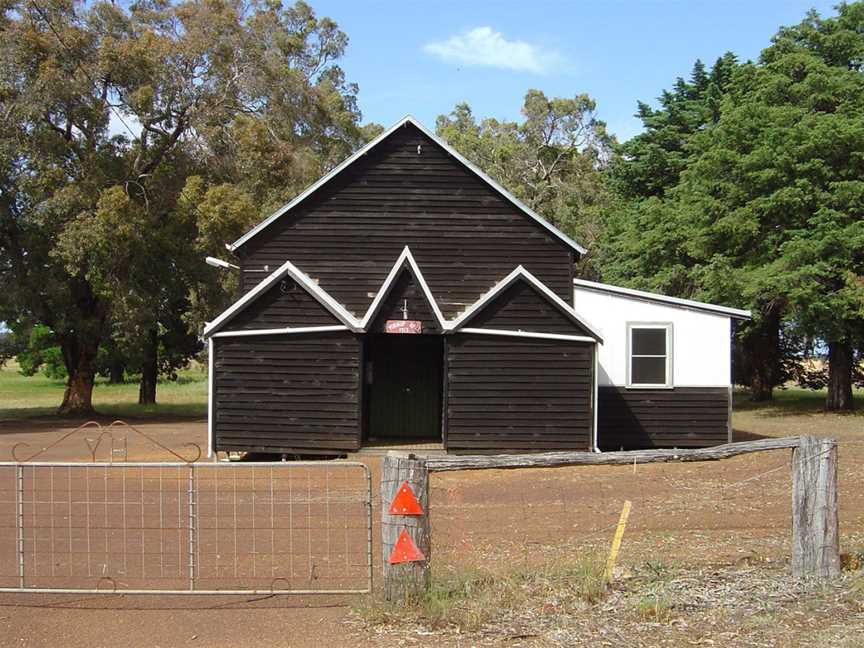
(815, 526)
(404, 579)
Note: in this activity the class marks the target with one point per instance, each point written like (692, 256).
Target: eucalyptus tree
(552, 159)
(108, 112)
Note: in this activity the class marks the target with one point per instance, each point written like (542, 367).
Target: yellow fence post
(616, 542)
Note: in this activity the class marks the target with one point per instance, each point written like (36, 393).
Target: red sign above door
(403, 326)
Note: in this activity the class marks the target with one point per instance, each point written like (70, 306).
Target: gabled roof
(518, 274)
(371, 145)
(290, 270)
(405, 259)
(663, 299)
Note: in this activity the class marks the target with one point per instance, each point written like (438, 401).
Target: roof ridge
(407, 119)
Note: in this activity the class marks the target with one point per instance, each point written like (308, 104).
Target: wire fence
(702, 511)
(238, 527)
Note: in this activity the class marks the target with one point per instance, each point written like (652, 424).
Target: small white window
(649, 357)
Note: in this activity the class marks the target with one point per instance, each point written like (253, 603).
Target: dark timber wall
(406, 291)
(521, 308)
(285, 304)
(462, 233)
(653, 418)
(287, 393)
(509, 394)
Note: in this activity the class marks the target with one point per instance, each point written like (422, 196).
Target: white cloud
(484, 46)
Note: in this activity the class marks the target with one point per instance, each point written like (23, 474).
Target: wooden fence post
(407, 580)
(815, 526)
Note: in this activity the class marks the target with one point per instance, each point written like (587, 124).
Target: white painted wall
(701, 352)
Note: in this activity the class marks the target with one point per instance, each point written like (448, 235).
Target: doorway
(404, 385)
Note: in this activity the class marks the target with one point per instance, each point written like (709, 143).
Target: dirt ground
(716, 524)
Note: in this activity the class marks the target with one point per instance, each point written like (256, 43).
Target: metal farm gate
(186, 528)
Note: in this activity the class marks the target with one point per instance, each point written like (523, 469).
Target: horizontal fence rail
(186, 528)
(624, 457)
(815, 519)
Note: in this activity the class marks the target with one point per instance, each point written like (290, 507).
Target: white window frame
(670, 338)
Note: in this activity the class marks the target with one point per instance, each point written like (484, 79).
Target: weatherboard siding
(659, 418)
(405, 292)
(464, 236)
(511, 394)
(285, 304)
(520, 307)
(287, 393)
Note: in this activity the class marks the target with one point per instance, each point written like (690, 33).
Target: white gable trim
(286, 269)
(529, 334)
(404, 257)
(663, 299)
(281, 331)
(211, 415)
(506, 282)
(372, 144)
(356, 325)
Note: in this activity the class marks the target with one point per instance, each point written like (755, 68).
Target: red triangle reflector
(405, 550)
(405, 503)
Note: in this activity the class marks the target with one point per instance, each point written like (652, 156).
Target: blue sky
(424, 57)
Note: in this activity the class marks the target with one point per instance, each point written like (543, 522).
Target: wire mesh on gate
(238, 528)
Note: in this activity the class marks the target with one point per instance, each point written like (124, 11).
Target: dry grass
(468, 600)
(656, 605)
(704, 559)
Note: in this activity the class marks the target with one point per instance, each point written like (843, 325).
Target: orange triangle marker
(405, 503)
(405, 550)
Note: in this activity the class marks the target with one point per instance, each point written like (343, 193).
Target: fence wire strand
(162, 528)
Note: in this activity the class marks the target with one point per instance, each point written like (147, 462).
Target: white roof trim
(663, 299)
(408, 119)
(404, 257)
(281, 331)
(522, 273)
(529, 334)
(301, 278)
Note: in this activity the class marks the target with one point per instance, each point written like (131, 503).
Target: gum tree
(107, 111)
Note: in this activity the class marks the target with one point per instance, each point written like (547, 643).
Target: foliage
(651, 162)
(37, 349)
(98, 237)
(551, 160)
(761, 205)
(8, 347)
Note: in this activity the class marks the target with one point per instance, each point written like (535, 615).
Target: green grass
(32, 396)
(791, 401)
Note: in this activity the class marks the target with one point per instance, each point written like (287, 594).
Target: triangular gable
(506, 292)
(395, 286)
(284, 304)
(553, 231)
(521, 307)
(288, 270)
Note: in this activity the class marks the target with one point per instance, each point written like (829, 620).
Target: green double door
(404, 384)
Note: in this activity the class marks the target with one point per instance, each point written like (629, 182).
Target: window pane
(648, 371)
(649, 341)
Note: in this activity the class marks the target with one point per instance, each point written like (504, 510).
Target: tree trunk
(79, 359)
(839, 397)
(759, 356)
(149, 369)
(116, 371)
(761, 390)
